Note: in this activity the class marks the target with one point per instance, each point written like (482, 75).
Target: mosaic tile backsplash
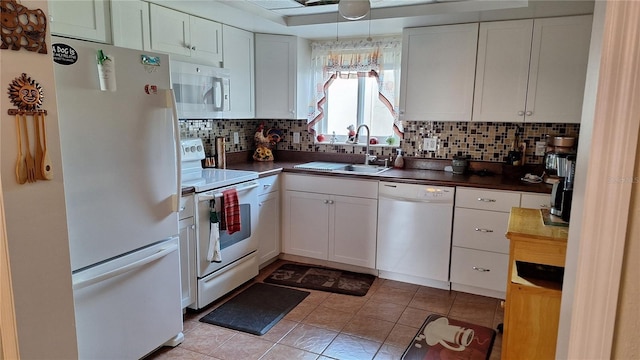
(481, 141)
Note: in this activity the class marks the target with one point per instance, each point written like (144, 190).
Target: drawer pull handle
(480, 269)
(486, 200)
(182, 208)
(484, 230)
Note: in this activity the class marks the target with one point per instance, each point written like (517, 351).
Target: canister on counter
(221, 157)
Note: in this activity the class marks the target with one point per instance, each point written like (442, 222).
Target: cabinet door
(352, 237)
(130, 24)
(276, 65)
(268, 229)
(535, 201)
(206, 36)
(169, 31)
(187, 260)
(502, 71)
(559, 55)
(438, 72)
(86, 20)
(238, 57)
(306, 224)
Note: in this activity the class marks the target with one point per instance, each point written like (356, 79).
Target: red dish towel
(231, 210)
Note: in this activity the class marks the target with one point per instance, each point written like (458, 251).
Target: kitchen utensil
(45, 166)
(38, 156)
(30, 163)
(21, 169)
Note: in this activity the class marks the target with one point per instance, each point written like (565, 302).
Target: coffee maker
(562, 192)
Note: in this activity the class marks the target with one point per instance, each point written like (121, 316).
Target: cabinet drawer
(481, 229)
(478, 268)
(535, 201)
(268, 184)
(186, 207)
(482, 199)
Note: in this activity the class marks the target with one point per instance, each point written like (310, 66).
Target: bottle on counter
(399, 162)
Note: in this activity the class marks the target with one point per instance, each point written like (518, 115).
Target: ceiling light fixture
(354, 9)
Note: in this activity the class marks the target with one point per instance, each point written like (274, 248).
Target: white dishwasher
(414, 233)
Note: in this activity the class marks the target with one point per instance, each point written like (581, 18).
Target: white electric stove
(204, 179)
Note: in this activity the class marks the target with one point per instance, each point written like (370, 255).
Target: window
(353, 100)
(355, 82)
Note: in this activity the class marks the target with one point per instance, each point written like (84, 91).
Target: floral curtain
(379, 58)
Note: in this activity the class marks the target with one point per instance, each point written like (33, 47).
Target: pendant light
(354, 9)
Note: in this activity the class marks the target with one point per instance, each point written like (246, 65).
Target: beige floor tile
(382, 310)
(328, 318)
(301, 311)
(348, 303)
(389, 352)
(393, 295)
(400, 285)
(309, 338)
(434, 300)
(205, 338)
(368, 328)
(243, 347)
(475, 309)
(282, 352)
(178, 353)
(279, 330)
(413, 317)
(401, 336)
(347, 347)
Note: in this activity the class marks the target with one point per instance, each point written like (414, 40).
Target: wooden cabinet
(438, 72)
(85, 20)
(532, 306)
(282, 76)
(185, 35)
(532, 70)
(130, 24)
(268, 229)
(238, 58)
(187, 229)
(479, 255)
(330, 219)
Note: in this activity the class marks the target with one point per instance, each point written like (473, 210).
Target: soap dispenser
(399, 162)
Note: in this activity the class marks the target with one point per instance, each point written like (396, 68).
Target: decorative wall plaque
(22, 28)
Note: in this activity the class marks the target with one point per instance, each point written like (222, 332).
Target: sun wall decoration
(25, 93)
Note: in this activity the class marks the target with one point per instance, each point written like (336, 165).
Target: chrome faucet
(367, 157)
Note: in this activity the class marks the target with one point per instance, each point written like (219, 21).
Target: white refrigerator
(121, 180)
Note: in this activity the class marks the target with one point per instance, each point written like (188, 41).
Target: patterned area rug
(325, 279)
(443, 338)
(256, 309)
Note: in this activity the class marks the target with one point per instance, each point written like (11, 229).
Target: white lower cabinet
(187, 229)
(268, 229)
(331, 219)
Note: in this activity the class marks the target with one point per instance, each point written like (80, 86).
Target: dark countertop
(414, 176)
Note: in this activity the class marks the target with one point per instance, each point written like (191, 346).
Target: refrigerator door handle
(171, 103)
(126, 268)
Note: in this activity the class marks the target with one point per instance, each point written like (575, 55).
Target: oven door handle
(205, 197)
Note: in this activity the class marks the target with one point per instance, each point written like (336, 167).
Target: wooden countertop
(528, 223)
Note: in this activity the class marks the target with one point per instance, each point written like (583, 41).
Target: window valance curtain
(379, 58)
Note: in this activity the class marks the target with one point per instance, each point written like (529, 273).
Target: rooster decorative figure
(264, 141)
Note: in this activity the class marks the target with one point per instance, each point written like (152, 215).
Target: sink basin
(342, 168)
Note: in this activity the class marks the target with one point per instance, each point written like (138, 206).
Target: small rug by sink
(444, 338)
(319, 278)
(256, 309)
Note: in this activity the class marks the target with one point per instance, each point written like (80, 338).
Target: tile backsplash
(481, 141)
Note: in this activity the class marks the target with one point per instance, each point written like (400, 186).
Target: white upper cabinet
(188, 36)
(438, 72)
(130, 24)
(239, 59)
(85, 20)
(504, 50)
(282, 73)
(532, 70)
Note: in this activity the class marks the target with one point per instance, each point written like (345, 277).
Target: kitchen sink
(342, 168)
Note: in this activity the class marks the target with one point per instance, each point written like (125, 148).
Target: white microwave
(202, 92)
